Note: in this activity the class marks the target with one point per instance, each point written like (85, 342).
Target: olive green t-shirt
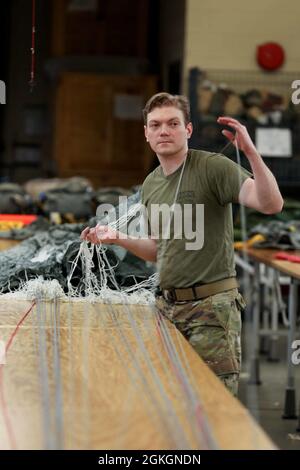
(214, 181)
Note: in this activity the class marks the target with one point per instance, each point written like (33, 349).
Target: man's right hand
(100, 234)
(144, 248)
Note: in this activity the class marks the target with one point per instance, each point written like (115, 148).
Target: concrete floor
(266, 401)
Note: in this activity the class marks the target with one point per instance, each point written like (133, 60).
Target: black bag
(13, 199)
(72, 197)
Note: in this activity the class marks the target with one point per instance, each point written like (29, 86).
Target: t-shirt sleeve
(225, 178)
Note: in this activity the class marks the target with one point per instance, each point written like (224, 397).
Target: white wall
(223, 34)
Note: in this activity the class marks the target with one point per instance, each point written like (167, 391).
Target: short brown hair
(166, 99)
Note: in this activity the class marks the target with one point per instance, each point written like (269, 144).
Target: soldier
(198, 288)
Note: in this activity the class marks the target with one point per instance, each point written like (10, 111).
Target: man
(198, 288)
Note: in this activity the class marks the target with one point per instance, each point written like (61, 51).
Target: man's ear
(189, 129)
(146, 133)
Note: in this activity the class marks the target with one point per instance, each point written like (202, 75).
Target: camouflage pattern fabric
(212, 326)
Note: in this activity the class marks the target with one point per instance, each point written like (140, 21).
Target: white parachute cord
(251, 392)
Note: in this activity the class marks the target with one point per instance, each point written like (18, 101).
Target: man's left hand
(241, 136)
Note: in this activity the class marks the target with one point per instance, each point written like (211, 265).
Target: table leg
(254, 360)
(273, 352)
(289, 411)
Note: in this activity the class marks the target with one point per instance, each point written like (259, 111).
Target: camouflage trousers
(213, 328)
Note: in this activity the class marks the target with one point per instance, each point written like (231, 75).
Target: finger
(94, 235)
(230, 136)
(224, 119)
(231, 123)
(236, 127)
(90, 233)
(84, 233)
(93, 239)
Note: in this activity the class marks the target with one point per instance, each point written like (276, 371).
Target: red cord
(33, 31)
(3, 404)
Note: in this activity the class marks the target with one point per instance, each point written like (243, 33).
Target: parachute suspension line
(250, 343)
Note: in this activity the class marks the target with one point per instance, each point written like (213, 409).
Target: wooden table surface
(6, 243)
(266, 256)
(109, 398)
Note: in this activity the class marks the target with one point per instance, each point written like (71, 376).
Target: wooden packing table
(108, 397)
(266, 256)
(6, 243)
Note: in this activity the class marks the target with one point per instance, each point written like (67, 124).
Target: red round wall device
(270, 56)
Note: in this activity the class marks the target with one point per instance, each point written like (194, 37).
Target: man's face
(166, 131)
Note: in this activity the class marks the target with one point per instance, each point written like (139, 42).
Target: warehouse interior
(82, 346)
